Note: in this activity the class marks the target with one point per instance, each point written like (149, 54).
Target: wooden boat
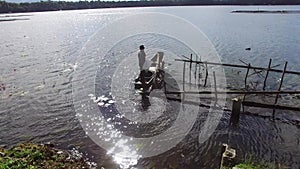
(153, 77)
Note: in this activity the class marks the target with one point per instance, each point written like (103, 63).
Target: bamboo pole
(245, 103)
(195, 71)
(190, 73)
(265, 81)
(279, 88)
(199, 72)
(183, 81)
(271, 106)
(240, 66)
(234, 92)
(215, 86)
(264, 70)
(255, 71)
(199, 75)
(246, 77)
(281, 81)
(206, 74)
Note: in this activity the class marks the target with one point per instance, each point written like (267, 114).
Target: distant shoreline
(267, 11)
(6, 7)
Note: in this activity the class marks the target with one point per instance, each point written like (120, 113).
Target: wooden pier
(239, 103)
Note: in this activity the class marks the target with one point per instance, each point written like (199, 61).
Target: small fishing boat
(153, 77)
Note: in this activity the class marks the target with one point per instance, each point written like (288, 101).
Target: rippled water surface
(41, 53)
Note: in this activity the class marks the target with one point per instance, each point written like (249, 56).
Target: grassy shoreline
(251, 163)
(35, 156)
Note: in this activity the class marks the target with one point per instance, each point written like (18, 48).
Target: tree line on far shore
(6, 7)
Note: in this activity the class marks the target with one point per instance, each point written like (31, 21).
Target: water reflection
(125, 162)
(127, 157)
(121, 151)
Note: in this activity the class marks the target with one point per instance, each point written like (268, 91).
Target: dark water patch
(254, 137)
(7, 20)
(8, 16)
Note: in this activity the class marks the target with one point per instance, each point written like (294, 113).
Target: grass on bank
(250, 164)
(255, 166)
(32, 156)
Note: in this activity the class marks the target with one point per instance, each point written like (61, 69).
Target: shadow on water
(143, 130)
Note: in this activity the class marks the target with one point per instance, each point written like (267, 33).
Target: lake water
(40, 59)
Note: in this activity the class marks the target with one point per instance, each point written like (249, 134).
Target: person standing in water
(142, 60)
(142, 57)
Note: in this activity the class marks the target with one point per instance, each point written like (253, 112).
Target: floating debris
(111, 101)
(102, 101)
(71, 67)
(39, 87)
(21, 93)
(101, 104)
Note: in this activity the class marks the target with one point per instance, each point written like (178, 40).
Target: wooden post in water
(190, 73)
(215, 85)
(246, 77)
(199, 75)
(246, 87)
(195, 72)
(199, 71)
(281, 81)
(236, 111)
(183, 82)
(206, 74)
(165, 88)
(280, 85)
(269, 67)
